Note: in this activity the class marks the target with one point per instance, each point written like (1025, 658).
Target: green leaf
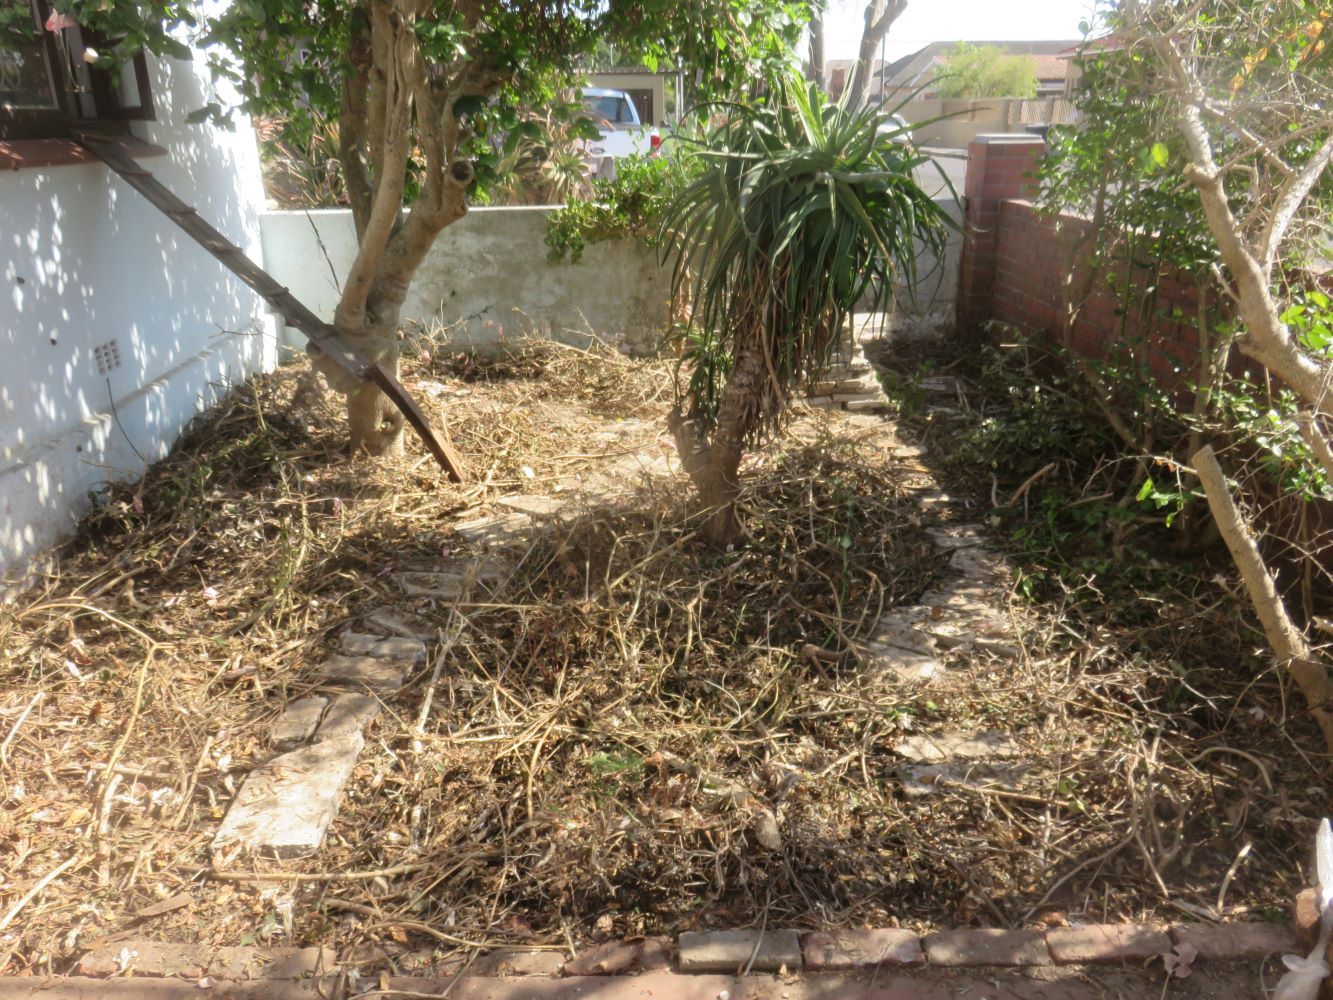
(1160, 154)
(1145, 491)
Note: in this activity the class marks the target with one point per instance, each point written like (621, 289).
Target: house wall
(116, 329)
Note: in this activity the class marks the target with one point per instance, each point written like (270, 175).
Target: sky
(927, 21)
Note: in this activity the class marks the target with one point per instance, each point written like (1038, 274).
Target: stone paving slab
(394, 647)
(298, 722)
(926, 748)
(364, 672)
(387, 621)
(349, 713)
(283, 807)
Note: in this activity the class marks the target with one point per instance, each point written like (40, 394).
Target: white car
(897, 126)
(622, 133)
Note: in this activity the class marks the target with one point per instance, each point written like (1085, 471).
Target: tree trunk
(880, 15)
(815, 71)
(718, 478)
(375, 425)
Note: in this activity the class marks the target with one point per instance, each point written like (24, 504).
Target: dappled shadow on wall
(115, 327)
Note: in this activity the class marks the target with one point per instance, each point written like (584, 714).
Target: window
(48, 85)
(609, 107)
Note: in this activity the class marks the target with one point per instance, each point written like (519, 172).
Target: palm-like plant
(804, 210)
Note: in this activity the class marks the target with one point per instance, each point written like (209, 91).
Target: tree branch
(1285, 639)
(1266, 338)
(1294, 192)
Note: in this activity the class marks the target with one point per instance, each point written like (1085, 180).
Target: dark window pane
(25, 76)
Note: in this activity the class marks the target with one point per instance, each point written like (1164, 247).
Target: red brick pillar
(999, 167)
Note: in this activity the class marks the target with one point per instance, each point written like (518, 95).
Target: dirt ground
(611, 711)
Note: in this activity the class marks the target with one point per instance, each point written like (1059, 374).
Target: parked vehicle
(621, 132)
(897, 128)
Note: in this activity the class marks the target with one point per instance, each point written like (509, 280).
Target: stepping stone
(284, 807)
(391, 648)
(978, 563)
(926, 748)
(957, 536)
(964, 600)
(945, 384)
(903, 664)
(443, 586)
(349, 713)
(533, 504)
(489, 531)
(389, 622)
(731, 951)
(364, 671)
(298, 721)
(867, 405)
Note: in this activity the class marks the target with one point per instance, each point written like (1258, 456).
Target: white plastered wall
(89, 273)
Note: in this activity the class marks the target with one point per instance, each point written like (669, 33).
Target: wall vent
(107, 357)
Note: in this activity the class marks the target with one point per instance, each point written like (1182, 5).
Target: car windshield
(609, 107)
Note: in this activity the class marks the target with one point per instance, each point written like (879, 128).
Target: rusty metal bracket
(283, 302)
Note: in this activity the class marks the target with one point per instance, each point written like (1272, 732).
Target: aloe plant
(803, 210)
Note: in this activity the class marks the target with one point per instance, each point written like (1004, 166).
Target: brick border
(729, 952)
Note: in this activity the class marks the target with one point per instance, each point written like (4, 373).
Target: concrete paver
(732, 951)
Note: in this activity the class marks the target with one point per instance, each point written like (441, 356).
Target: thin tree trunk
(1285, 639)
(879, 17)
(815, 71)
(716, 470)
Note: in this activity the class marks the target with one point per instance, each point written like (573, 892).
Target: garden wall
(488, 279)
(115, 328)
(1015, 261)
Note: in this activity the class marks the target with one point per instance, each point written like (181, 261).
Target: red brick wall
(1015, 263)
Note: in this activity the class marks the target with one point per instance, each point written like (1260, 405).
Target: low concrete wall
(487, 280)
(969, 118)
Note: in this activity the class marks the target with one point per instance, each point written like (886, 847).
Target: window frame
(99, 87)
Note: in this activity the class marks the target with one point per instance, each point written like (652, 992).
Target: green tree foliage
(986, 71)
(424, 94)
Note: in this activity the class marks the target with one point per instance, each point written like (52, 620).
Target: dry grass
(616, 718)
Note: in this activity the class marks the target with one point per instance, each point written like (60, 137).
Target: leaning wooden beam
(1284, 638)
(292, 310)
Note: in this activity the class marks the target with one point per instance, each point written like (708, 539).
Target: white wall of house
(116, 329)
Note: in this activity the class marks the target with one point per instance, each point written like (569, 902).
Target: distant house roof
(911, 72)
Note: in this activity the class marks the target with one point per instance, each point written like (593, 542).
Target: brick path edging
(699, 955)
(828, 951)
